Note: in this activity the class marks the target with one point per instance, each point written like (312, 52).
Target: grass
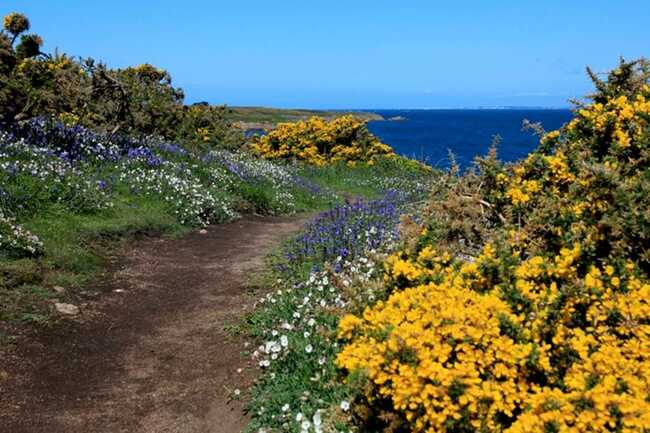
(275, 115)
(369, 181)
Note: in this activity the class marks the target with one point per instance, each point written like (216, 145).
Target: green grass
(276, 115)
(77, 248)
(368, 181)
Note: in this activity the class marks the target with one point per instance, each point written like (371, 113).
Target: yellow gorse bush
(547, 328)
(319, 142)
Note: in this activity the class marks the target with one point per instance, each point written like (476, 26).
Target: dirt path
(153, 355)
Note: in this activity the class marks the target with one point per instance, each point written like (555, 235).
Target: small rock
(58, 289)
(68, 309)
(203, 231)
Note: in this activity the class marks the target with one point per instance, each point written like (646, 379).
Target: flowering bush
(539, 321)
(319, 142)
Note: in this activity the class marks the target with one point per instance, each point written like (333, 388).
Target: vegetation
(515, 300)
(521, 302)
(319, 142)
(90, 155)
(135, 100)
(268, 118)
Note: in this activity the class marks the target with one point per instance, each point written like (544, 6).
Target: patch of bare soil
(152, 356)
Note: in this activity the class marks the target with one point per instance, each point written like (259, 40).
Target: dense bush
(133, 100)
(535, 315)
(319, 142)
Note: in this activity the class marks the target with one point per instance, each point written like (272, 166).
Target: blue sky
(355, 54)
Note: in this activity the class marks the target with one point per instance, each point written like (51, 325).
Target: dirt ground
(152, 355)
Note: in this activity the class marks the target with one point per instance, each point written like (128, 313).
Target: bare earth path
(152, 356)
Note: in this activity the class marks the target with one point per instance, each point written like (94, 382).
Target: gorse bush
(535, 316)
(133, 100)
(319, 142)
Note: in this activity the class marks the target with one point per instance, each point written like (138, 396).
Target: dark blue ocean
(431, 134)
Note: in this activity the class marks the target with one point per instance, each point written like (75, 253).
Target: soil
(153, 354)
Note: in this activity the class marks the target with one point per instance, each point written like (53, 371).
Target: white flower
(284, 341)
(272, 347)
(305, 425)
(345, 406)
(299, 417)
(306, 334)
(311, 322)
(237, 392)
(317, 421)
(285, 408)
(309, 348)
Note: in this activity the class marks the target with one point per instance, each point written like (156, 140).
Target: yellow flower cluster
(203, 134)
(149, 71)
(548, 328)
(549, 349)
(621, 120)
(319, 142)
(69, 119)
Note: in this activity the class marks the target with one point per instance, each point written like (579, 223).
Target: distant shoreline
(266, 118)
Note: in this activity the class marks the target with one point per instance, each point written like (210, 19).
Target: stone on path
(69, 309)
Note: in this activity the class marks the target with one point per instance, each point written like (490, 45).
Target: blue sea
(430, 134)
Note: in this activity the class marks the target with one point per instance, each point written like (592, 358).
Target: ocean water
(431, 134)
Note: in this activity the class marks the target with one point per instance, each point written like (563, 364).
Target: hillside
(266, 118)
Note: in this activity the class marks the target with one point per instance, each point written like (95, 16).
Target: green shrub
(134, 100)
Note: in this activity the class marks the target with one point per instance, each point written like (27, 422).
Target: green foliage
(29, 46)
(134, 100)
(205, 126)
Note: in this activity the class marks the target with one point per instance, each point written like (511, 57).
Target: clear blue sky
(358, 53)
